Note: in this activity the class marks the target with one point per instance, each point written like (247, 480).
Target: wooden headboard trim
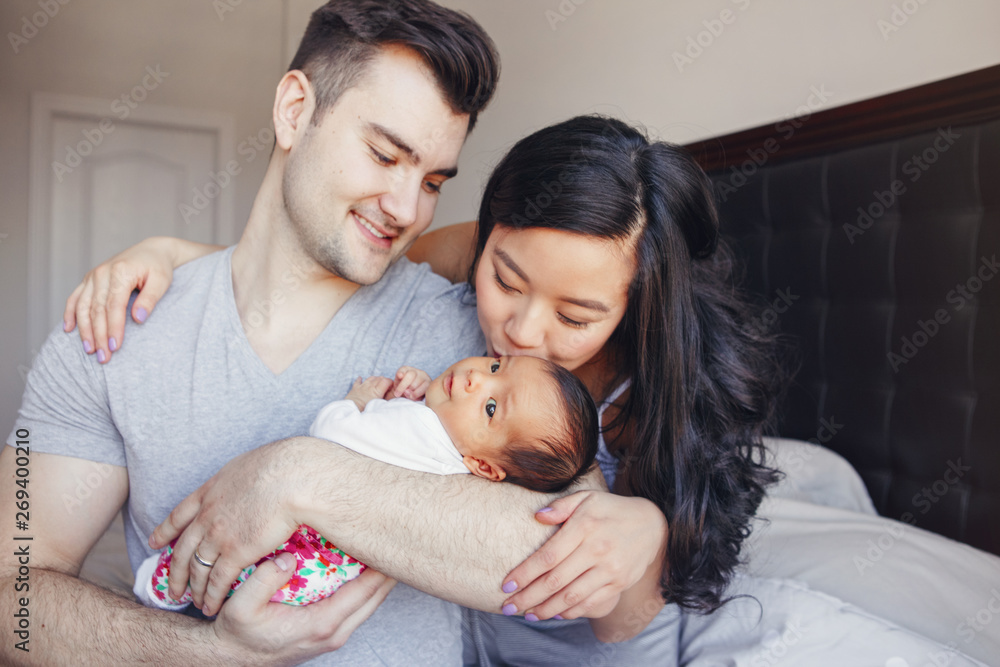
(964, 99)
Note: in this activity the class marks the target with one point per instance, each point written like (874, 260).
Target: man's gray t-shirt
(187, 393)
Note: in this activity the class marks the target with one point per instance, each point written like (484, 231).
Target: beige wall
(614, 57)
(100, 49)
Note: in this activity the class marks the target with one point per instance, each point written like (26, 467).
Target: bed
(871, 235)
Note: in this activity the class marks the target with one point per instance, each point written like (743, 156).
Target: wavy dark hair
(704, 386)
(343, 36)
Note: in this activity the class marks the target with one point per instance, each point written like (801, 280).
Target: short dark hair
(551, 462)
(344, 36)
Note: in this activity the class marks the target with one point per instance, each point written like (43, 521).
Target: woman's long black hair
(704, 384)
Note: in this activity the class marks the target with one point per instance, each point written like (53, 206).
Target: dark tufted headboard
(873, 233)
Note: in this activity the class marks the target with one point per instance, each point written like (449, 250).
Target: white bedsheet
(801, 627)
(935, 587)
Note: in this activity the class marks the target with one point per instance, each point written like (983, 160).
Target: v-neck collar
(240, 340)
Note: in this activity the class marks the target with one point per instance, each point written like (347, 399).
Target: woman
(591, 207)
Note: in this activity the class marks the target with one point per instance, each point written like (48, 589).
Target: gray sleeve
(449, 330)
(65, 407)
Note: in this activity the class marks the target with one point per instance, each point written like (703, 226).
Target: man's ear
(484, 469)
(294, 104)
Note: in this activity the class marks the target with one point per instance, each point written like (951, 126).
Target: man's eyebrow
(407, 149)
(590, 304)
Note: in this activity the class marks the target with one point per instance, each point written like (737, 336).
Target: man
(369, 122)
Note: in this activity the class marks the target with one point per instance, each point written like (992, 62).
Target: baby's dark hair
(552, 461)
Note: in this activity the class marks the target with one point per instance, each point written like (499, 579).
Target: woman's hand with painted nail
(604, 547)
(98, 304)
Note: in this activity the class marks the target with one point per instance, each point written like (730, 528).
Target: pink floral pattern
(321, 568)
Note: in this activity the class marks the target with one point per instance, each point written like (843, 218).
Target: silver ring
(201, 560)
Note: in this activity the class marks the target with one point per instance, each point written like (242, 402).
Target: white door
(101, 183)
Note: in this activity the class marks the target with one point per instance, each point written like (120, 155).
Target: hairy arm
(448, 250)
(71, 621)
(453, 536)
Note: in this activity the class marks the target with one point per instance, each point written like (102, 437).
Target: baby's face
(484, 402)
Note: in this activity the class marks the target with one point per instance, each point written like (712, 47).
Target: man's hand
(235, 518)
(249, 625)
(79, 623)
(411, 383)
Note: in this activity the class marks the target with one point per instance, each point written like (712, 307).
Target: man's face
(362, 185)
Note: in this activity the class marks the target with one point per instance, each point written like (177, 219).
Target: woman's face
(551, 294)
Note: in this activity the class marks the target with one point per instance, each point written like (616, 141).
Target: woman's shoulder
(448, 250)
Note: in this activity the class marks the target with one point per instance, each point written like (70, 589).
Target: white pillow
(817, 475)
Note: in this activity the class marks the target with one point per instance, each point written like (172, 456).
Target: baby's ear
(484, 469)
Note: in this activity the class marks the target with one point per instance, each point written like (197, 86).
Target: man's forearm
(453, 536)
(73, 622)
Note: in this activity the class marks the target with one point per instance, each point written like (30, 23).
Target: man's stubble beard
(329, 249)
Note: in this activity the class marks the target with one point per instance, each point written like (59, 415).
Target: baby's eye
(494, 367)
(491, 407)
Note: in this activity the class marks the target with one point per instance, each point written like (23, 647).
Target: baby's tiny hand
(410, 383)
(363, 391)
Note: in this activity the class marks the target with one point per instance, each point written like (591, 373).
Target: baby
(516, 419)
